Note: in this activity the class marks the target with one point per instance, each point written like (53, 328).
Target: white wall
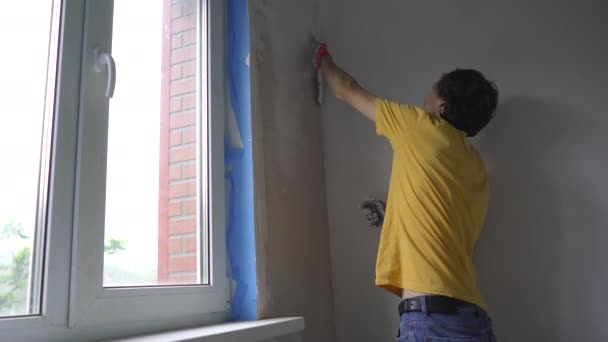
(292, 237)
(541, 259)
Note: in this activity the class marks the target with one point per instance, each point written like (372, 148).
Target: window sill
(228, 332)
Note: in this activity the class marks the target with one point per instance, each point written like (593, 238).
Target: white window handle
(104, 60)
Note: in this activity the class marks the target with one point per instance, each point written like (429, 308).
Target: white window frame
(75, 305)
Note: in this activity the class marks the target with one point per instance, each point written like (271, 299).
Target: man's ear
(443, 107)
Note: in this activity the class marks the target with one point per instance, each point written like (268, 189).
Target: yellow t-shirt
(437, 202)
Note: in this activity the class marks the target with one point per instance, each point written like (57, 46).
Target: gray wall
(292, 238)
(542, 257)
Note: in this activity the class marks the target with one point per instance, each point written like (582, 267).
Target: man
(437, 201)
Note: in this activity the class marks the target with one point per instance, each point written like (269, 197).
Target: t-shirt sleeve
(394, 119)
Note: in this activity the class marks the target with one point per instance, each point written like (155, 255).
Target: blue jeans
(471, 323)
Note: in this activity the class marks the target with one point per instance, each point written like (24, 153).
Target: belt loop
(423, 305)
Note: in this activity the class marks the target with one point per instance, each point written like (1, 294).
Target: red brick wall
(177, 258)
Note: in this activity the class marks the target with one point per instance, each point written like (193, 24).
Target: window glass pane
(25, 63)
(153, 190)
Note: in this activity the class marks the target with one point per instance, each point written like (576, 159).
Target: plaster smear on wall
(292, 239)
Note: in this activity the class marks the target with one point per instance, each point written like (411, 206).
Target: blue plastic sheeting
(239, 168)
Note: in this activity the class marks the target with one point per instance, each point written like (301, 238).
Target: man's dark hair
(470, 100)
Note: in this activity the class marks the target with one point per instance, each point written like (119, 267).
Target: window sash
(58, 233)
(90, 302)
(75, 303)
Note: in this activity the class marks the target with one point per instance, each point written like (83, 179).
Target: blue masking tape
(239, 168)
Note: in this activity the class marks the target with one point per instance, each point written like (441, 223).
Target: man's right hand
(321, 53)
